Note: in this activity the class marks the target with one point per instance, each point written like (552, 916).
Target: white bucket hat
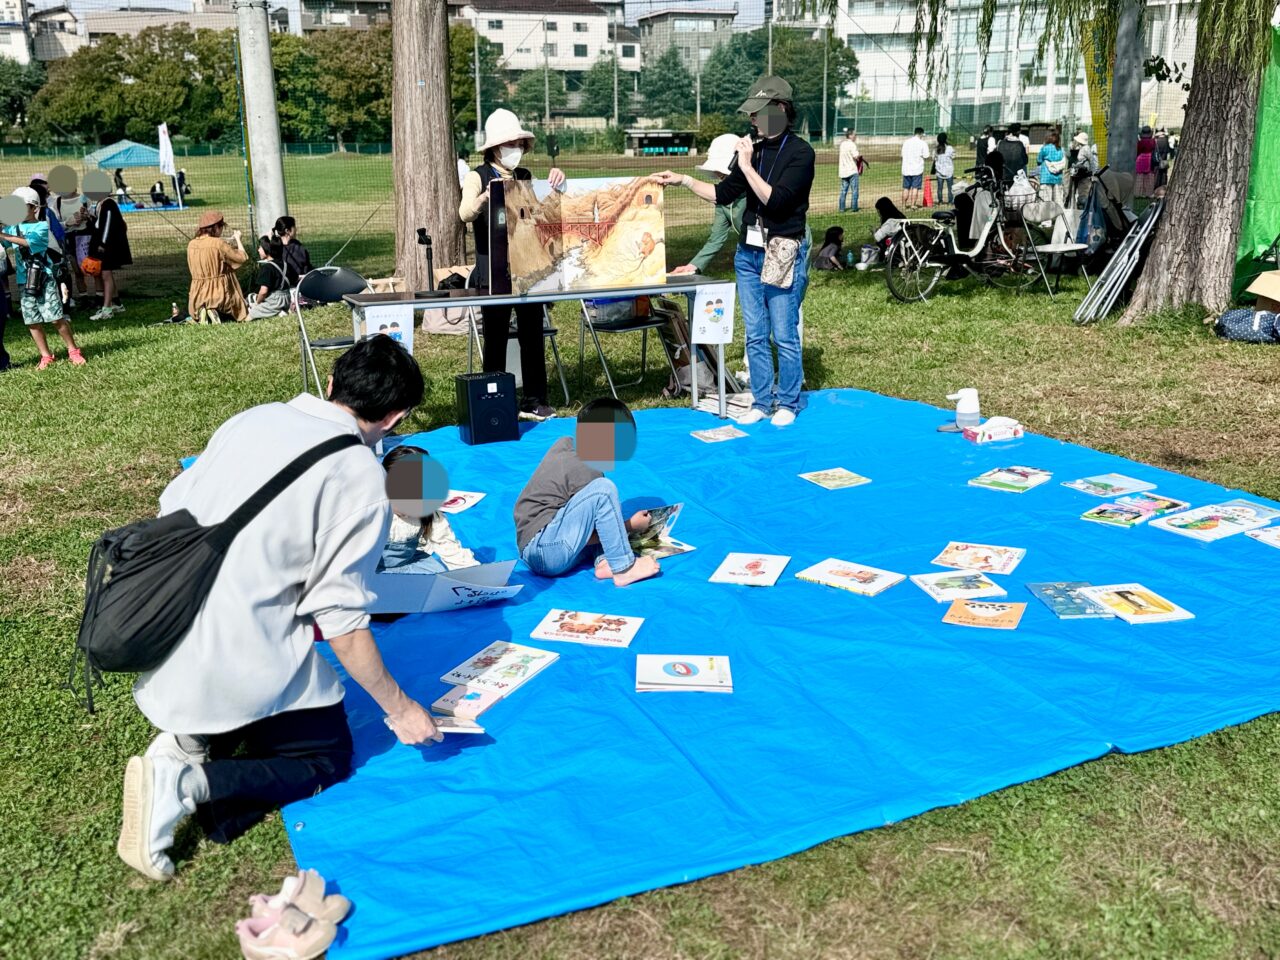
(503, 126)
(720, 154)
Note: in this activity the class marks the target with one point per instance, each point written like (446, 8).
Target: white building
(15, 40)
(566, 35)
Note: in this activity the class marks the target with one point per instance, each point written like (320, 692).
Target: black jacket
(787, 165)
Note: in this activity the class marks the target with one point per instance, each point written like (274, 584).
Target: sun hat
(39, 178)
(1081, 139)
(503, 126)
(765, 91)
(27, 196)
(210, 218)
(719, 154)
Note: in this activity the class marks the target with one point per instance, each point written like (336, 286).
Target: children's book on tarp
(438, 592)
(656, 540)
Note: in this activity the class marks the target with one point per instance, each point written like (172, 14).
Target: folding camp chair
(323, 285)
(548, 333)
(629, 324)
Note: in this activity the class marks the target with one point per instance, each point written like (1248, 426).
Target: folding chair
(629, 324)
(548, 333)
(323, 285)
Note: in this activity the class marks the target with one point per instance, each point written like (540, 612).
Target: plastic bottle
(173, 315)
(848, 258)
(968, 413)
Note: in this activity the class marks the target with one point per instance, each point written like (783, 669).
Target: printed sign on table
(712, 320)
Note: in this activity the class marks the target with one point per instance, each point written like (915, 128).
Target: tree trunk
(1126, 90)
(1193, 255)
(426, 192)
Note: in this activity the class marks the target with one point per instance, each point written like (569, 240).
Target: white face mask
(510, 156)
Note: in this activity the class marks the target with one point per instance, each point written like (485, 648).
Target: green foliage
(597, 91)
(732, 67)
(18, 84)
(354, 83)
(531, 94)
(797, 57)
(666, 87)
(462, 79)
(712, 126)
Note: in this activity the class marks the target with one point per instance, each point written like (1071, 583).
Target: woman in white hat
(506, 143)
(728, 217)
(38, 279)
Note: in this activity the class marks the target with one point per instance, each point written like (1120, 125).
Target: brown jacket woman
(213, 263)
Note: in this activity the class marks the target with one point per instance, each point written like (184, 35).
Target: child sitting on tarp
(569, 505)
(419, 544)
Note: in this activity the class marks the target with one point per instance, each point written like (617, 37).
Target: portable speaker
(487, 409)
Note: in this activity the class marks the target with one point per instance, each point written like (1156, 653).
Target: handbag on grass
(780, 262)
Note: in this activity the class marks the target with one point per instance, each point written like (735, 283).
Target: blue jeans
(771, 313)
(595, 508)
(847, 185)
(945, 182)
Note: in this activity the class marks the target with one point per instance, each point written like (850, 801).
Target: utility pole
(546, 78)
(266, 165)
(1126, 90)
(698, 88)
(476, 57)
(615, 75)
(769, 71)
(826, 43)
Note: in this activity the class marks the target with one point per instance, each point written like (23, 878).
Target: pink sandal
(290, 936)
(305, 892)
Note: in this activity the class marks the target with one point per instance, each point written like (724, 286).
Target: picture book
(465, 703)
(666, 547)
(1067, 602)
(980, 613)
(854, 577)
(719, 434)
(656, 540)
(657, 672)
(500, 667)
(439, 592)
(1134, 603)
(457, 725)
(1116, 515)
(753, 569)
(837, 478)
(1011, 479)
(980, 556)
(1153, 504)
(1263, 512)
(1270, 536)
(459, 500)
(957, 585)
(593, 629)
(1216, 521)
(1109, 485)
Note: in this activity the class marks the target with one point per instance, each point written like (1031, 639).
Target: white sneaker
(153, 808)
(751, 416)
(118, 308)
(784, 418)
(101, 314)
(195, 750)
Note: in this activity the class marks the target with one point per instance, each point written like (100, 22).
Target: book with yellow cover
(985, 614)
(1134, 603)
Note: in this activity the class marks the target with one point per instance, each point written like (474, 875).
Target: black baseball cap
(763, 92)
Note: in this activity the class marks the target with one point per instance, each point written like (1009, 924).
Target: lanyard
(772, 166)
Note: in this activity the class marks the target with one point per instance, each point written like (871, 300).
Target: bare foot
(602, 569)
(642, 569)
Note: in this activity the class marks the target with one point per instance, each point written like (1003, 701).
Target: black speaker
(487, 410)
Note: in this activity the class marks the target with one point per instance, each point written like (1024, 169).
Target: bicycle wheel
(909, 272)
(1012, 263)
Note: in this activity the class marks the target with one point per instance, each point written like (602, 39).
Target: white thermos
(967, 411)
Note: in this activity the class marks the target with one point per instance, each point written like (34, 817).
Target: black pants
(285, 758)
(495, 325)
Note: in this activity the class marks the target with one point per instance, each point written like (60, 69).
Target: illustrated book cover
(752, 569)
(500, 667)
(957, 585)
(1216, 521)
(592, 629)
(465, 703)
(659, 672)
(1067, 602)
(459, 500)
(980, 556)
(1109, 485)
(656, 540)
(1134, 603)
(984, 614)
(1011, 479)
(719, 434)
(837, 478)
(854, 577)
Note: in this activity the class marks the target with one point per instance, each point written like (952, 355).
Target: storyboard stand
(711, 324)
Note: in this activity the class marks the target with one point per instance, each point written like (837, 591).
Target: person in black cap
(774, 170)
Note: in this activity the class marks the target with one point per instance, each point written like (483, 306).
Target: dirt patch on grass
(31, 584)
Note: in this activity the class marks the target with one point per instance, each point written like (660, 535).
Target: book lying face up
(593, 629)
(656, 540)
(752, 569)
(659, 672)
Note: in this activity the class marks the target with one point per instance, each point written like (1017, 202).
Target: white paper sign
(712, 320)
(437, 592)
(395, 320)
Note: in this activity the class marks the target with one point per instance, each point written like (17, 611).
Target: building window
(689, 25)
(495, 24)
(551, 26)
(497, 48)
(549, 49)
(628, 51)
(579, 49)
(579, 27)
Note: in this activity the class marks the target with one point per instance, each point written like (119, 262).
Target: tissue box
(991, 431)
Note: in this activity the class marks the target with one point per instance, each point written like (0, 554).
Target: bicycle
(1004, 253)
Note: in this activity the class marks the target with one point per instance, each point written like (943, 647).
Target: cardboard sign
(712, 317)
(438, 592)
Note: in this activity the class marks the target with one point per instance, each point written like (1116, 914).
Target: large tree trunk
(1193, 254)
(425, 170)
(1126, 89)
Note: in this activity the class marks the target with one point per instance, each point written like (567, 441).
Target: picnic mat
(848, 712)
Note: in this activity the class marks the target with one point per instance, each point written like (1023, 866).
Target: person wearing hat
(38, 279)
(774, 171)
(506, 143)
(728, 219)
(215, 290)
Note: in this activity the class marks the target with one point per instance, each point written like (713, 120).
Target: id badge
(755, 236)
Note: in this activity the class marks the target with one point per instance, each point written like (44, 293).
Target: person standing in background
(1144, 164)
(944, 168)
(850, 162)
(463, 166)
(1053, 162)
(109, 242)
(914, 153)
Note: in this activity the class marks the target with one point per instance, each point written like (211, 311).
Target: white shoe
(196, 749)
(118, 308)
(751, 416)
(783, 418)
(101, 314)
(153, 808)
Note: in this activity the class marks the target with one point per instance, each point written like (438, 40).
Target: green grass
(1166, 854)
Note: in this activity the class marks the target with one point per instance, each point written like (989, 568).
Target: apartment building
(695, 31)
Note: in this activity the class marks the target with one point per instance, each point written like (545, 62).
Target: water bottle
(967, 410)
(173, 312)
(848, 258)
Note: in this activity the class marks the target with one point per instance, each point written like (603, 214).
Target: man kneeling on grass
(568, 504)
(248, 673)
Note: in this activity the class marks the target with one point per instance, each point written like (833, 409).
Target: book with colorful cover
(980, 556)
(854, 577)
(592, 629)
(656, 540)
(459, 500)
(984, 614)
(1270, 536)
(500, 667)
(666, 672)
(837, 478)
(1067, 602)
(465, 703)
(1215, 521)
(1153, 504)
(1109, 485)
(957, 585)
(1115, 515)
(752, 569)
(1011, 479)
(1134, 603)
(1262, 511)
(719, 434)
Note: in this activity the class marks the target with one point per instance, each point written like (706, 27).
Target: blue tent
(125, 153)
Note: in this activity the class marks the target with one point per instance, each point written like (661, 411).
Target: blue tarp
(124, 153)
(848, 712)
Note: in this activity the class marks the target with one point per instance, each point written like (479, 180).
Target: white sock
(193, 785)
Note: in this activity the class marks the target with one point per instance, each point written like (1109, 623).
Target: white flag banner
(166, 152)
(712, 318)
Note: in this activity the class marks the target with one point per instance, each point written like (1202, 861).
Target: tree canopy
(666, 87)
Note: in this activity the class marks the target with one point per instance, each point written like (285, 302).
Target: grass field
(1169, 854)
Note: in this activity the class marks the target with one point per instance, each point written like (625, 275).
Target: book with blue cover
(1067, 602)
(1109, 485)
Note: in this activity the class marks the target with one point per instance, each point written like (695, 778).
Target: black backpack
(149, 579)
